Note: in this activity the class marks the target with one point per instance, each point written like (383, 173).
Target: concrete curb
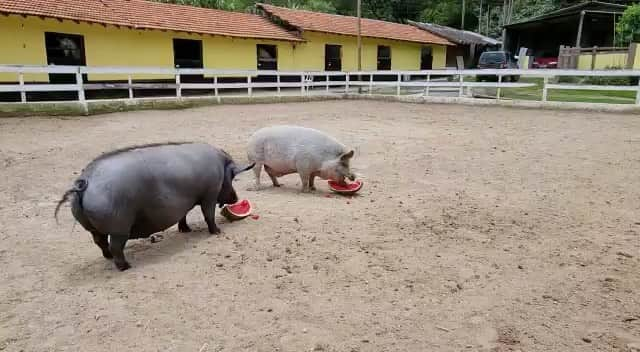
(95, 107)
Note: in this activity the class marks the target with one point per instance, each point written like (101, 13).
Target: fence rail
(425, 83)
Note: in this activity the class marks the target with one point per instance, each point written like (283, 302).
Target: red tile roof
(347, 25)
(152, 15)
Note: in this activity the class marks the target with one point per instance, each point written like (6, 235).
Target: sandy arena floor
(478, 229)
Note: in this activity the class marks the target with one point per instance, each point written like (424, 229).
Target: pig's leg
(102, 242)
(306, 178)
(117, 249)
(257, 169)
(272, 176)
(183, 226)
(311, 186)
(209, 212)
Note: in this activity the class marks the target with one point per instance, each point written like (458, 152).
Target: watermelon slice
(347, 189)
(237, 211)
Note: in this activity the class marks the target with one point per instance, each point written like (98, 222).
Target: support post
(461, 87)
(545, 91)
(249, 88)
(130, 81)
(463, 13)
(302, 84)
(278, 82)
(580, 24)
(638, 93)
(327, 82)
(398, 84)
(594, 53)
(499, 87)
(23, 94)
(371, 84)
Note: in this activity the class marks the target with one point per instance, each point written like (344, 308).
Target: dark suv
(497, 60)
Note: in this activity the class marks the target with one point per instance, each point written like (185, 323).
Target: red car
(545, 62)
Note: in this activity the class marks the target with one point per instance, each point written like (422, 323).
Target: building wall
(404, 55)
(116, 46)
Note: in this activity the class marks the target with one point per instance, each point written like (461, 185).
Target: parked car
(497, 60)
(545, 62)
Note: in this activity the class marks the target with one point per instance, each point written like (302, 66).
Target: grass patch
(566, 95)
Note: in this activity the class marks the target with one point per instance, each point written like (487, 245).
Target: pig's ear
(347, 156)
(238, 170)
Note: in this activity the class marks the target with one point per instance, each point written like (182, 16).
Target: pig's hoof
(184, 229)
(122, 266)
(107, 255)
(215, 231)
(312, 188)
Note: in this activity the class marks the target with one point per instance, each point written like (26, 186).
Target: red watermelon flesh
(345, 188)
(239, 210)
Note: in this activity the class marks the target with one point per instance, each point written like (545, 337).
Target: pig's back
(286, 143)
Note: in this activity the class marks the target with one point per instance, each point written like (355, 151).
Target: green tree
(628, 27)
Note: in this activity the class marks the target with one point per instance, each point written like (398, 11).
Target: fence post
(130, 81)
(545, 81)
(398, 85)
(461, 88)
(346, 88)
(278, 82)
(302, 84)
(327, 81)
(81, 97)
(23, 94)
(371, 84)
(80, 84)
(178, 85)
(499, 87)
(594, 53)
(249, 90)
(427, 87)
(215, 87)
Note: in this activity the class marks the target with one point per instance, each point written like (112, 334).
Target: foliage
(628, 27)
(446, 12)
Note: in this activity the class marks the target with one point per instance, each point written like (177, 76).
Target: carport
(584, 25)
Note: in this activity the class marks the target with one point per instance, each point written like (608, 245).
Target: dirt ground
(478, 229)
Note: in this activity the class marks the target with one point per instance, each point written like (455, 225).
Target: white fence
(425, 83)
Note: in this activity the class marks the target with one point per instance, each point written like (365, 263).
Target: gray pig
(135, 192)
(284, 150)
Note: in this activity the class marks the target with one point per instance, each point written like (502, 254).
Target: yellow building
(145, 33)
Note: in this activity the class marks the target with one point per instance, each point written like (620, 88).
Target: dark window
(384, 57)
(64, 49)
(267, 57)
(332, 57)
(187, 53)
(426, 58)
